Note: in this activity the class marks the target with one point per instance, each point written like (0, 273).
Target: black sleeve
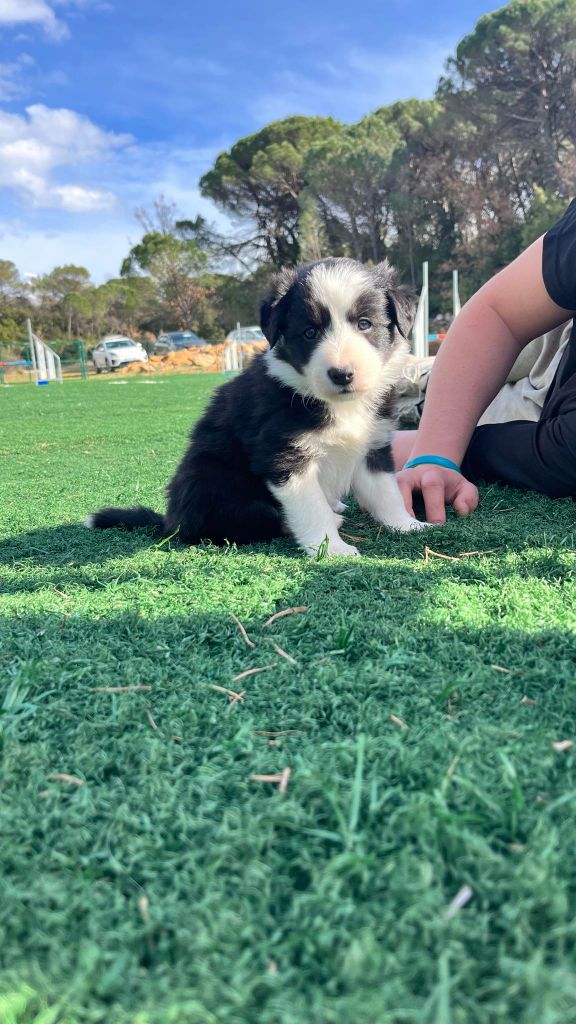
(534, 456)
(559, 260)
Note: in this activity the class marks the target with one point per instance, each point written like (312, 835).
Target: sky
(105, 104)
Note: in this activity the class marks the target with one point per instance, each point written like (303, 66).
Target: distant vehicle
(244, 335)
(117, 350)
(175, 341)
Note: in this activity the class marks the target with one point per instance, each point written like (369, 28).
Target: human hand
(439, 487)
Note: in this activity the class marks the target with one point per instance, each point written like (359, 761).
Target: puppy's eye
(310, 333)
(364, 324)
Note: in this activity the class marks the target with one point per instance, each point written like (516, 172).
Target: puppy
(305, 424)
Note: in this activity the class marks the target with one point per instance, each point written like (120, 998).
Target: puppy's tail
(125, 518)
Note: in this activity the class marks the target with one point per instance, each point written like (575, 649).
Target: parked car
(174, 341)
(117, 350)
(245, 335)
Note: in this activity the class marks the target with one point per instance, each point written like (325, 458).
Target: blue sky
(106, 103)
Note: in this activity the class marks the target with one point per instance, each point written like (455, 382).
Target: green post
(28, 358)
(84, 359)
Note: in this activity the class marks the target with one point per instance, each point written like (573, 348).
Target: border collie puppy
(305, 424)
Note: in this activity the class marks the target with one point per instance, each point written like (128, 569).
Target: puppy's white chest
(341, 446)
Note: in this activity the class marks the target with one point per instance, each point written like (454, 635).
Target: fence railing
(17, 365)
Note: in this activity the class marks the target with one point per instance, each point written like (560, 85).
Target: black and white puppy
(305, 424)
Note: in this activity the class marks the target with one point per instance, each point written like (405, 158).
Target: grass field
(162, 885)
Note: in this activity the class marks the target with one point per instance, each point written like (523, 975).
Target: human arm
(474, 360)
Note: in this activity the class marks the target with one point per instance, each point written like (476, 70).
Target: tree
(14, 303)
(515, 77)
(10, 283)
(259, 181)
(61, 291)
(127, 304)
(544, 211)
(349, 173)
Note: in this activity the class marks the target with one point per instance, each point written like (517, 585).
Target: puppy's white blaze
(380, 495)
(337, 287)
(89, 522)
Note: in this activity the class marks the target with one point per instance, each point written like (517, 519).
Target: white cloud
(35, 12)
(34, 146)
(42, 14)
(13, 77)
(37, 238)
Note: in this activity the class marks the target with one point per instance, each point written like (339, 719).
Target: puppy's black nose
(341, 375)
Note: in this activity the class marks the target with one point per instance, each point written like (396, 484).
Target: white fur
(380, 495)
(311, 501)
(308, 514)
(89, 523)
(338, 285)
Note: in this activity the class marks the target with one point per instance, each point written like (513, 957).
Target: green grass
(171, 889)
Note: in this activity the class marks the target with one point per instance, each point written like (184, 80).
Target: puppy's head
(335, 326)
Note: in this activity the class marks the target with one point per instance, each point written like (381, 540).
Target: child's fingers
(466, 499)
(434, 499)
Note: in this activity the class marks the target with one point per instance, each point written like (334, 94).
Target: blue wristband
(434, 460)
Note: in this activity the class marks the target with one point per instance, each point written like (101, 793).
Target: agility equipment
(421, 336)
(46, 364)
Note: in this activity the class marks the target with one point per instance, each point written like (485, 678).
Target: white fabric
(522, 396)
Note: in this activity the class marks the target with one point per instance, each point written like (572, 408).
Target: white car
(117, 350)
(246, 334)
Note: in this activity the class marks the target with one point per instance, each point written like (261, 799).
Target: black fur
(244, 438)
(380, 460)
(128, 518)
(247, 436)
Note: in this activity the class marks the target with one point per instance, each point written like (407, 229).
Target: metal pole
(426, 307)
(456, 304)
(32, 350)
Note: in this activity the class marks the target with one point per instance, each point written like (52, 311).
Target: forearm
(472, 365)
(480, 349)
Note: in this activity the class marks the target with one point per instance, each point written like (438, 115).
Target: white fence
(46, 363)
(421, 320)
(421, 330)
(232, 357)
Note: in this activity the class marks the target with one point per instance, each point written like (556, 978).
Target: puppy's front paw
(340, 547)
(333, 547)
(339, 507)
(410, 525)
(406, 524)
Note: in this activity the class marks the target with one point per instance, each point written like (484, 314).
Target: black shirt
(540, 456)
(559, 259)
(559, 273)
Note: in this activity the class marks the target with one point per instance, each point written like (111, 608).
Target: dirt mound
(191, 360)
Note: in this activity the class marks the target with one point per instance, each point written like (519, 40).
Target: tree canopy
(465, 179)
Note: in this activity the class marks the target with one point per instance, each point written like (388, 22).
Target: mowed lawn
(146, 878)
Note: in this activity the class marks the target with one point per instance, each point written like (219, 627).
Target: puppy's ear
(269, 319)
(271, 307)
(400, 300)
(402, 309)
